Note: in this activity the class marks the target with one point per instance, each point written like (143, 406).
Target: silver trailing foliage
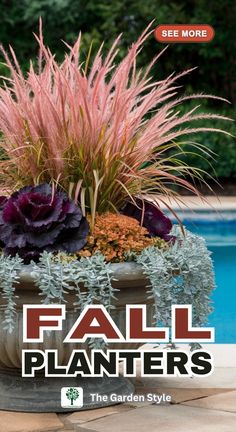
(90, 277)
(51, 278)
(55, 277)
(181, 274)
(9, 277)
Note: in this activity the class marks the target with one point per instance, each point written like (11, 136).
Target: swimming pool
(219, 230)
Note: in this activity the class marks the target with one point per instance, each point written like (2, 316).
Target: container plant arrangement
(91, 148)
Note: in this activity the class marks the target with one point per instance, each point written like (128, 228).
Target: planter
(43, 394)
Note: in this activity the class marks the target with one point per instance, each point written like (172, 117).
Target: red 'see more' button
(186, 33)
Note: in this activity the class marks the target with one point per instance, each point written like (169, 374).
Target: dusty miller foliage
(55, 278)
(9, 277)
(91, 278)
(181, 274)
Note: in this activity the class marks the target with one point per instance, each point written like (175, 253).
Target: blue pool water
(219, 230)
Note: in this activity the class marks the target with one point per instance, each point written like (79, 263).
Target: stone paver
(81, 429)
(221, 401)
(223, 376)
(220, 378)
(224, 354)
(209, 202)
(27, 422)
(179, 395)
(170, 418)
(86, 416)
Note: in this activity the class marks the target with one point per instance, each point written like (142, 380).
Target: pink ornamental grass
(90, 127)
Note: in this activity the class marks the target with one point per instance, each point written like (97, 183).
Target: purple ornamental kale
(37, 219)
(157, 224)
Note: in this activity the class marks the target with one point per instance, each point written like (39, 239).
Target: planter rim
(124, 271)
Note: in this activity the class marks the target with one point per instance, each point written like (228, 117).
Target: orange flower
(116, 235)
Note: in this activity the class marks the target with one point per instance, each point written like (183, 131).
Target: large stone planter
(43, 394)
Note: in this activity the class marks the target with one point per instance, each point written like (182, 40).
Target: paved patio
(197, 405)
(210, 202)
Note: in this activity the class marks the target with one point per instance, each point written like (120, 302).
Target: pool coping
(196, 203)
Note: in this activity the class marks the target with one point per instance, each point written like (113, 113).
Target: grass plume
(103, 131)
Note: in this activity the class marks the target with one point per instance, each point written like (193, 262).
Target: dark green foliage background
(103, 20)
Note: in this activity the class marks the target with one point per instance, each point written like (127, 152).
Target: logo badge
(71, 397)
